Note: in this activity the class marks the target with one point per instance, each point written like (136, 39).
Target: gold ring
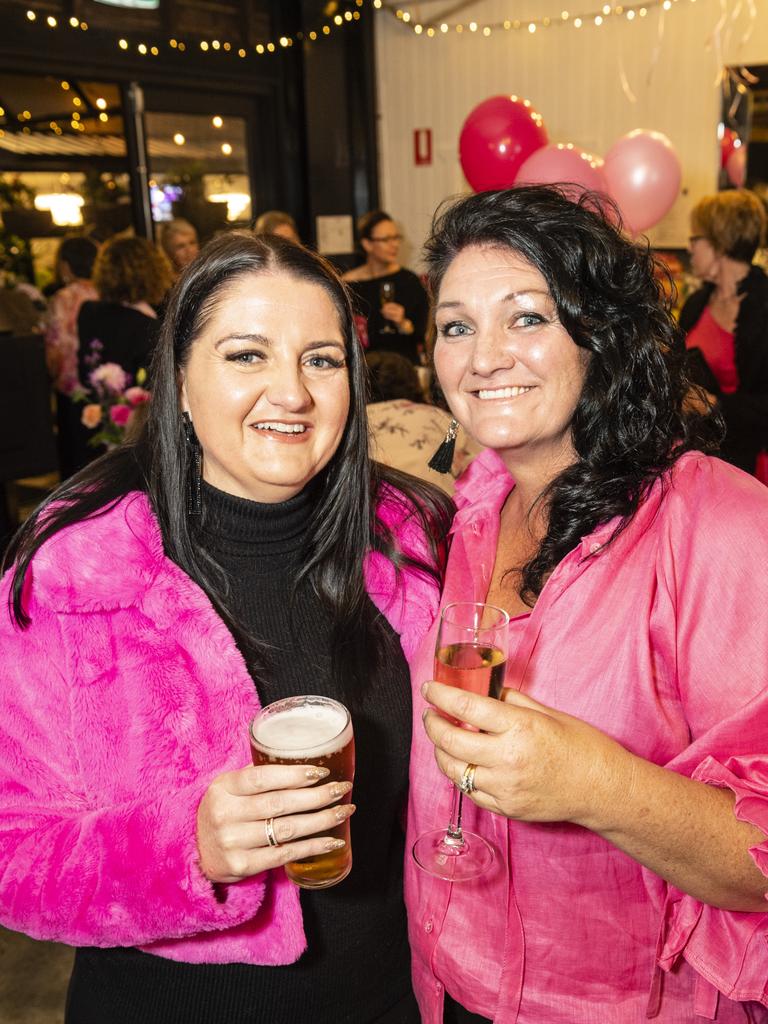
(467, 781)
(269, 828)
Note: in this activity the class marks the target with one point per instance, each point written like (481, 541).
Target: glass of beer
(315, 731)
(471, 654)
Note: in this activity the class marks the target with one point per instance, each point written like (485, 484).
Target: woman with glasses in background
(390, 298)
(726, 321)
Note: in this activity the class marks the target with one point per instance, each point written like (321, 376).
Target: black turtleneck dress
(356, 969)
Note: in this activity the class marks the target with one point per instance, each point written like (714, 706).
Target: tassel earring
(442, 460)
(195, 476)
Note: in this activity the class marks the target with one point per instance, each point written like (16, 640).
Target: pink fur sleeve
(116, 874)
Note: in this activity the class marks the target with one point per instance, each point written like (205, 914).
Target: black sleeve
(417, 309)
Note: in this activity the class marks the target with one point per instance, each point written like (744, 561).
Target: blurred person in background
(132, 277)
(726, 320)
(391, 298)
(75, 262)
(178, 240)
(277, 222)
(405, 430)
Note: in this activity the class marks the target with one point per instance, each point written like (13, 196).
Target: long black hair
(344, 526)
(632, 421)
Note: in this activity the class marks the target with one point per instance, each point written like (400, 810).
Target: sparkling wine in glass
(471, 654)
(387, 294)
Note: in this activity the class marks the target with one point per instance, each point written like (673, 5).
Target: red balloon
(561, 164)
(643, 175)
(496, 138)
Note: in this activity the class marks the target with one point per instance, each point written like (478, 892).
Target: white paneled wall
(572, 77)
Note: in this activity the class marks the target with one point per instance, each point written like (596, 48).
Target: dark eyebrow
(507, 298)
(261, 339)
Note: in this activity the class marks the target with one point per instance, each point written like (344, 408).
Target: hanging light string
(628, 12)
(129, 43)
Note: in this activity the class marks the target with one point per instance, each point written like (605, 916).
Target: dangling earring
(442, 460)
(194, 479)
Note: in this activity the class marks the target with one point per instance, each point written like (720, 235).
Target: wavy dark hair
(632, 421)
(344, 525)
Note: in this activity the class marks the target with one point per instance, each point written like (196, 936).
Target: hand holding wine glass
(535, 763)
(470, 654)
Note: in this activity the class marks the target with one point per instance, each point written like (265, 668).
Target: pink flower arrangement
(109, 377)
(116, 400)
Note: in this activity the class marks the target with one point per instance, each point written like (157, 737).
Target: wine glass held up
(386, 295)
(471, 654)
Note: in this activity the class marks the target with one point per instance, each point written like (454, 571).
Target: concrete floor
(33, 980)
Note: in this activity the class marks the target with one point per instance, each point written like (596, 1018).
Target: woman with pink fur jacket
(241, 550)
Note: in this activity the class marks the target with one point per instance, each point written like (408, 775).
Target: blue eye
(530, 320)
(454, 329)
(244, 358)
(324, 362)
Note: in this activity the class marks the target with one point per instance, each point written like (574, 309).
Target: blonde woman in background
(277, 222)
(178, 240)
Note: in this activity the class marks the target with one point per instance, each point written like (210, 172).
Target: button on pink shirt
(661, 641)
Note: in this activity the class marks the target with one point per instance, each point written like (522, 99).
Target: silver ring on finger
(269, 829)
(467, 780)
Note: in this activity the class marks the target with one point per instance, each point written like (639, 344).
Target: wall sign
(422, 147)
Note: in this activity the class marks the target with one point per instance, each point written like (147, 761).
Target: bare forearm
(684, 831)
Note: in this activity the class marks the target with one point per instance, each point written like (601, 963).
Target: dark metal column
(136, 152)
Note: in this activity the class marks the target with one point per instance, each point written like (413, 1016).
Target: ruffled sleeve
(718, 534)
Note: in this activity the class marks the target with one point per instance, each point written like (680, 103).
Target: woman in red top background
(726, 320)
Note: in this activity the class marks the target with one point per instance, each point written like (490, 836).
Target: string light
(596, 17)
(339, 20)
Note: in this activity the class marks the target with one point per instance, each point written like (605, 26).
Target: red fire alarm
(422, 147)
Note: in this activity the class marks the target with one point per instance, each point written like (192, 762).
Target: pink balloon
(736, 167)
(643, 175)
(496, 138)
(558, 163)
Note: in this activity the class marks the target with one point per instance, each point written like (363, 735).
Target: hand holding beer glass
(292, 807)
(471, 653)
(313, 731)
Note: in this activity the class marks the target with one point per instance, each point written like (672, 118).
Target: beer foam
(311, 730)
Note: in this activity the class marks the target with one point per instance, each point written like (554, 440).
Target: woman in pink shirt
(623, 781)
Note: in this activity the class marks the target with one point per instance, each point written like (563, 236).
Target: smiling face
(267, 387)
(510, 371)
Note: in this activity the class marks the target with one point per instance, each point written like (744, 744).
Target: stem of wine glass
(454, 835)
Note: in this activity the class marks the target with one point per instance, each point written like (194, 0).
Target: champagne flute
(470, 653)
(387, 294)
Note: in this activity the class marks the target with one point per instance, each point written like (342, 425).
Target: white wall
(571, 76)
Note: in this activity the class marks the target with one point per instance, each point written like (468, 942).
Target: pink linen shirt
(659, 640)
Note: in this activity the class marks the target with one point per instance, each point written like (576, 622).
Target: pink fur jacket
(118, 704)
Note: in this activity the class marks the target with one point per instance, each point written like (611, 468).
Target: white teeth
(282, 428)
(501, 392)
